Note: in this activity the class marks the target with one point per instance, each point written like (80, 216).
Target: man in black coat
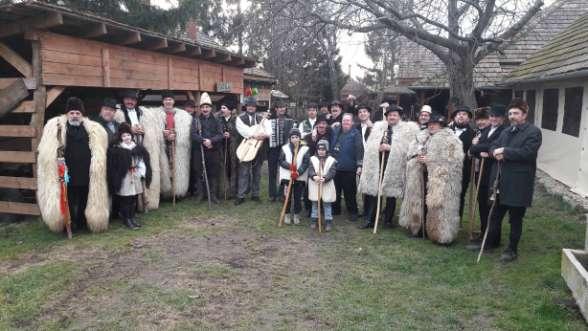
(132, 112)
(462, 129)
(106, 118)
(481, 150)
(207, 138)
(516, 151)
(281, 124)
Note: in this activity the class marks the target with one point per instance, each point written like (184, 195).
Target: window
(518, 94)
(573, 111)
(531, 102)
(550, 104)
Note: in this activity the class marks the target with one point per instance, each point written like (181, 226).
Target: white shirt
(248, 131)
(492, 129)
(459, 131)
(133, 117)
(364, 128)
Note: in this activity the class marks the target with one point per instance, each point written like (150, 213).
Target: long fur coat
(48, 186)
(444, 161)
(394, 174)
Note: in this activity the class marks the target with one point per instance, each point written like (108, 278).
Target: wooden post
(106, 67)
(39, 99)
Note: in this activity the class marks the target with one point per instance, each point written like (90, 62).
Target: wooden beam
(25, 107)
(53, 94)
(196, 51)
(181, 47)
(20, 131)
(224, 58)
(106, 66)
(22, 183)
(20, 208)
(51, 19)
(30, 83)
(210, 53)
(15, 60)
(17, 157)
(94, 30)
(12, 96)
(155, 44)
(127, 38)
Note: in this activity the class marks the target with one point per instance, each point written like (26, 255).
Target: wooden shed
(46, 50)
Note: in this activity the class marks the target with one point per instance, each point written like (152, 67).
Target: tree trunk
(460, 71)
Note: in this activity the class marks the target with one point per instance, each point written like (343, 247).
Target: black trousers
(345, 183)
(296, 194)
(371, 206)
(273, 159)
(516, 215)
(213, 168)
(127, 206)
(77, 198)
(483, 206)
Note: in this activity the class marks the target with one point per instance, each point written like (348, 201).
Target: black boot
(366, 225)
(133, 211)
(213, 192)
(124, 213)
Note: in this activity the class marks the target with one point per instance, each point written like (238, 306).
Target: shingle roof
(567, 53)
(354, 87)
(420, 68)
(258, 74)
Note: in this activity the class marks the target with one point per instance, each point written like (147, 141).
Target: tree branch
(484, 20)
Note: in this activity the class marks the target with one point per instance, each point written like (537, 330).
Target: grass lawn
(233, 268)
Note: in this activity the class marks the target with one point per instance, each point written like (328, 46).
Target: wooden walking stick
(320, 197)
(473, 217)
(225, 168)
(380, 177)
(494, 199)
(173, 171)
(288, 190)
(471, 188)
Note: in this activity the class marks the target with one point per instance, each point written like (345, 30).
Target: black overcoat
(484, 144)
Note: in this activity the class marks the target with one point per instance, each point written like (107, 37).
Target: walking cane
(380, 176)
(471, 188)
(288, 191)
(473, 216)
(320, 197)
(494, 199)
(225, 168)
(173, 170)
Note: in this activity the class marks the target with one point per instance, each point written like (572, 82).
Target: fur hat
(74, 103)
(124, 128)
(130, 94)
(167, 94)
(294, 132)
(109, 103)
(250, 101)
(426, 109)
(205, 99)
(324, 143)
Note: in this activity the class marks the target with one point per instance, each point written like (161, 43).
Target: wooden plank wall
(70, 61)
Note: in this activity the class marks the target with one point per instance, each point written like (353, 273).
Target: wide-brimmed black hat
(109, 102)
(437, 118)
(167, 94)
(464, 109)
(498, 110)
(250, 101)
(74, 103)
(366, 107)
(393, 108)
(129, 94)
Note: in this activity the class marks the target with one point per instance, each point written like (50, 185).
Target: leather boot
(132, 212)
(124, 214)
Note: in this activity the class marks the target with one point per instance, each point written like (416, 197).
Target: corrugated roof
(567, 53)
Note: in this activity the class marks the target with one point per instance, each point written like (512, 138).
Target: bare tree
(460, 32)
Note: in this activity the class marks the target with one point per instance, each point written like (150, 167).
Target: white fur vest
(328, 193)
(444, 162)
(394, 174)
(152, 140)
(48, 186)
(284, 174)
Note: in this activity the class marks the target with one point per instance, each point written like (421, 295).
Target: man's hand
(385, 147)
(498, 153)
(484, 154)
(207, 143)
(259, 136)
(138, 129)
(422, 159)
(294, 175)
(476, 140)
(316, 178)
(169, 135)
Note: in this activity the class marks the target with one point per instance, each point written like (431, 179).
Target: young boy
(324, 165)
(295, 171)
(128, 164)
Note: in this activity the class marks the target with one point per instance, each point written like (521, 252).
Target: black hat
(129, 94)
(294, 132)
(393, 108)
(109, 102)
(336, 103)
(124, 128)
(280, 104)
(312, 105)
(366, 107)
(74, 103)
(167, 94)
(464, 109)
(498, 110)
(481, 113)
(322, 118)
(250, 101)
(437, 118)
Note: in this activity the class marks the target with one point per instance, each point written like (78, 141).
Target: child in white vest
(321, 172)
(295, 171)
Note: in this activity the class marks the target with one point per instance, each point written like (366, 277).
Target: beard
(74, 122)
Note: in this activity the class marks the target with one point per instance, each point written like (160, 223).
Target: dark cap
(311, 105)
(322, 118)
(109, 102)
(498, 110)
(481, 113)
(393, 108)
(294, 132)
(250, 101)
(74, 103)
(366, 107)
(464, 109)
(167, 94)
(437, 118)
(129, 94)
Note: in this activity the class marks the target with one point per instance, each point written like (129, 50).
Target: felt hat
(426, 109)
(250, 101)
(109, 103)
(205, 99)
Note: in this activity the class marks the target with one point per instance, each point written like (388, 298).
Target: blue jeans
(326, 209)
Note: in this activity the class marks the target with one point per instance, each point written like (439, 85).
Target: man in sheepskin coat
(435, 159)
(388, 139)
(83, 143)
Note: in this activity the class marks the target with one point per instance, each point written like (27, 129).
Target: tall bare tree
(460, 32)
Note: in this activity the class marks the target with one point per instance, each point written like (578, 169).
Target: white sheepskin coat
(444, 162)
(394, 174)
(48, 186)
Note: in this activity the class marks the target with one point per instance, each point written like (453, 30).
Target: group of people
(129, 157)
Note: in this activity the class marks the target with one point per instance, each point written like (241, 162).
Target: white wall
(563, 157)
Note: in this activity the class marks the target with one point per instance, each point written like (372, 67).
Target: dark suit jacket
(111, 135)
(516, 183)
(466, 139)
(484, 145)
